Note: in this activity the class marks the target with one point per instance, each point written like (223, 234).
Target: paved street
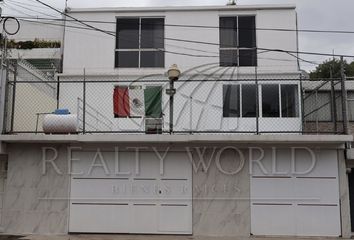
(145, 237)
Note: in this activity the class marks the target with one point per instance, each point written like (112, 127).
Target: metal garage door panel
(317, 190)
(149, 166)
(168, 213)
(145, 192)
(102, 189)
(273, 190)
(272, 220)
(144, 218)
(318, 220)
(100, 218)
(175, 190)
(144, 189)
(306, 216)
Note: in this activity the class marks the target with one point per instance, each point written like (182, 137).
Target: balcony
(203, 104)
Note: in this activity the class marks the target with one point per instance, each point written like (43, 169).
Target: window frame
(239, 109)
(139, 50)
(238, 48)
(260, 100)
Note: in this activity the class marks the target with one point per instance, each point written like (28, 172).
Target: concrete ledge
(183, 138)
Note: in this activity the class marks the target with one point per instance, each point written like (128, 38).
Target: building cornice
(184, 8)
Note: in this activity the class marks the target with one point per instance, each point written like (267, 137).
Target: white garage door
(129, 195)
(296, 204)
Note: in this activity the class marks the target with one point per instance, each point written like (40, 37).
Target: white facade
(198, 105)
(94, 50)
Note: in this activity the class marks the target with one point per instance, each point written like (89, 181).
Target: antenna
(231, 3)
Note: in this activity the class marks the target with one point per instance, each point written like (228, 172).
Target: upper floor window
(140, 43)
(238, 41)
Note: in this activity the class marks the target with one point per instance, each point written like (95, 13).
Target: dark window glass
(228, 58)
(128, 59)
(152, 59)
(231, 105)
(270, 100)
(247, 32)
(289, 101)
(238, 32)
(152, 33)
(249, 99)
(248, 57)
(228, 32)
(127, 33)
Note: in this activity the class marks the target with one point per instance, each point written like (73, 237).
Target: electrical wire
(200, 42)
(77, 20)
(192, 41)
(217, 27)
(16, 10)
(208, 43)
(29, 9)
(27, 4)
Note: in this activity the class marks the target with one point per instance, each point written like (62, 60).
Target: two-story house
(218, 150)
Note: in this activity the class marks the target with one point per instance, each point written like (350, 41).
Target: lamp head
(173, 72)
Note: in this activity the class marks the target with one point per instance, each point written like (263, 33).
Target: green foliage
(324, 69)
(37, 43)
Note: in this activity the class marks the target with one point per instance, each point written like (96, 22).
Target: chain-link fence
(323, 110)
(202, 103)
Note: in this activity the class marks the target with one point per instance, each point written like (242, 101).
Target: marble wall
(35, 202)
(221, 205)
(38, 203)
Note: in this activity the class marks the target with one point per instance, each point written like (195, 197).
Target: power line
(176, 46)
(172, 52)
(217, 27)
(191, 41)
(29, 9)
(27, 4)
(210, 43)
(14, 9)
(200, 42)
(77, 20)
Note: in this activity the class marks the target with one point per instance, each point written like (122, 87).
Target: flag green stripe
(153, 102)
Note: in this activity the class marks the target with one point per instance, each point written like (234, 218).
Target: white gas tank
(55, 123)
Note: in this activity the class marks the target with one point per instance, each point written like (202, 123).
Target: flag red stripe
(121, 102)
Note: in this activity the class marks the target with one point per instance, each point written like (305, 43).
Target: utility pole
(63, 37)
(344, 98)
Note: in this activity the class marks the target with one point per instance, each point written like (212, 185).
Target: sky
(312, 14)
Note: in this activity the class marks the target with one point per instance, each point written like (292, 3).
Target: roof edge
(184, 8)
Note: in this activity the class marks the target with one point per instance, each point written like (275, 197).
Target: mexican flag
(137, 101)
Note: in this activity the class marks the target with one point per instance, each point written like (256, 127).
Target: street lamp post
(173, 74)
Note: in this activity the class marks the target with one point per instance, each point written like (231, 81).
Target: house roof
(185, 8)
